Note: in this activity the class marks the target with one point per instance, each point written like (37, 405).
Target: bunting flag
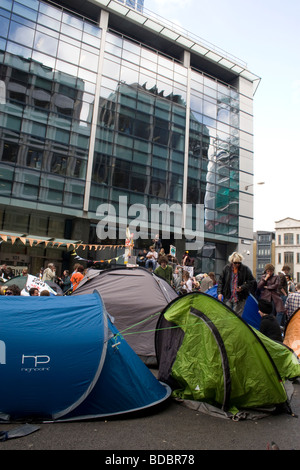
(79, 258)
(57, 244)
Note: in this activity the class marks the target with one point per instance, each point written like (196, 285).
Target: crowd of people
(278, 297)
(67, 282)
(178, 275)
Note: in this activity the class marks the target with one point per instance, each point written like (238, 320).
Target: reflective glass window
(91, 40)
(75, 21)
(46, 44)
(48, 21)
(88, 61)
(66, 68)
(21, 34)
(34, 158)
(4, 23)
(6, 4)
(68, 53)
(10, 152)
(24, 11)
(18, 49)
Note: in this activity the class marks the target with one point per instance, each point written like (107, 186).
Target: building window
(279, 258)
(10, 152)
(288, 257)
(279, 239)
(288, 238)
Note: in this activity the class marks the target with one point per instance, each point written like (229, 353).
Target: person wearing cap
(235, 284)
(268, 325)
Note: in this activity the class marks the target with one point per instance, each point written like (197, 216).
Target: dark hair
(265, 306)
(32, 290)
(14, 289)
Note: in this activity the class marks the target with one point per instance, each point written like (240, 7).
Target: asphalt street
(170, 428)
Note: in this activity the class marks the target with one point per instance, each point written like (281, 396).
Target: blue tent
(213, 291)
(61, 358)
(250, 312)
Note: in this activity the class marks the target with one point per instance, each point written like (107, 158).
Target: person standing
(293, 301)
(269, 287)
(49, 273)
(77, 276)
(235, 284)
(164, 270)
(65, 281)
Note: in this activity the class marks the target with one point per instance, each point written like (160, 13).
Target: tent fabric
(292, 333)
(134, 297)
(250, 312)
(207, 353)
(62, 358)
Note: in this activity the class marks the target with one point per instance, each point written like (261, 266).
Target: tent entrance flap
(225, 363)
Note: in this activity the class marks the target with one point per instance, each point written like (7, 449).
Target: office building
(101, 101)
(264, 252)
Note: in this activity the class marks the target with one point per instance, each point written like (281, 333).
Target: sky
(266, 35)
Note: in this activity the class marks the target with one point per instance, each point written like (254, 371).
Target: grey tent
(134, 297)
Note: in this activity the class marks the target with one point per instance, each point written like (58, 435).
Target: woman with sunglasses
(12, 290)
(235, 283)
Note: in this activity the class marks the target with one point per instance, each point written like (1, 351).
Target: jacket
(245, 280)
(269, 290)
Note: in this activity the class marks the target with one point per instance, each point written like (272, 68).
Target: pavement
(170, 429)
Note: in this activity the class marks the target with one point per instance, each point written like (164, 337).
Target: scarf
(234, 284)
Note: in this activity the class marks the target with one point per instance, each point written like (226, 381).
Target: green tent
(207, 353)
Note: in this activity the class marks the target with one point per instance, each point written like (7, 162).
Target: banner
(37, 283)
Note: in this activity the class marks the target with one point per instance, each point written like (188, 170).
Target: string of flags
(74, 245)
(56, 243)
(79, 258)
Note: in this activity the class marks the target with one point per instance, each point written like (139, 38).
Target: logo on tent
(2, 353)
(36, 363)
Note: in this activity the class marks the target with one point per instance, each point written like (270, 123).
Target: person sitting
(151, 259)
(268, 325)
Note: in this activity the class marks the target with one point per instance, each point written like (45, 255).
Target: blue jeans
(150, 264)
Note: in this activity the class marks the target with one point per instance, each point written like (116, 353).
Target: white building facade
(287, 248)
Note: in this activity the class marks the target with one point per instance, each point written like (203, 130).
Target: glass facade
(57, 82)
(48, 71)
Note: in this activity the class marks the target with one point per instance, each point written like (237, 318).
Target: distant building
(263, 251)
(287, 249)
